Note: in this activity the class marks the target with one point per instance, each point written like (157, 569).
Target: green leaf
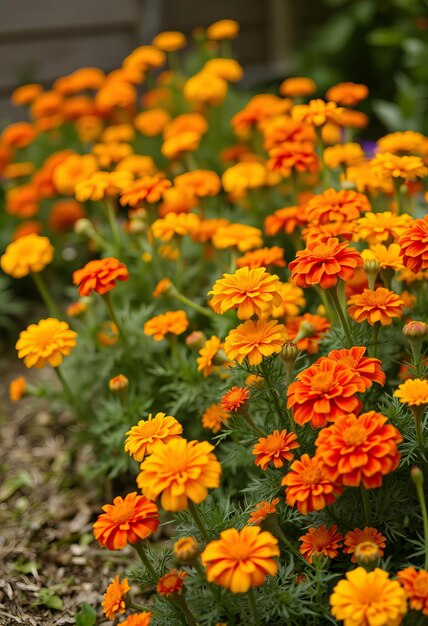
(386, 37)
(389, 114)
(49, 599)
(87, 616)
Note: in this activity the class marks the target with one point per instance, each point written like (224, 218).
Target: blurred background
(382, 43)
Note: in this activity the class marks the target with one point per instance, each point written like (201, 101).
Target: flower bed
(244, 333)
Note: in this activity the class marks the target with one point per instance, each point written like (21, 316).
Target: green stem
(196, 307)
(198, 521)
(273, 395)
(139, 548)
(277, 530)
(294, 187)
(109, 304)
(180, 601)
(46, 297)
(331, 310)
(376, 329)
(366, 506)
(335, 300)
(418, 412)
(324, 170)
(397, 194)
(422, 504)
(69, 394)
(253, 606)
(111, 214)
(251, 423)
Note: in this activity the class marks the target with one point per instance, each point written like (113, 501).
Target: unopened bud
(417, 476)
(371, 265)
(137, 226)
(186, 549)
(75, 309)
(118, 383)
(195, 340)
(415, 329)
(367, 554)
(220, 357)
(306, 329)
(84, 227)
(289, 354)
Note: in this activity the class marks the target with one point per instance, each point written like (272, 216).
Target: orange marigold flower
(179, 471)
(22, 201)
(262, 511)
(171, 582)
(359, 450)
(323, 263)
(380, 305)
(186, 549)
(169, 41)
(174, 322)
(378, 227)
(286, 219)
(336, 206)
(72, 170)
(275, 448)
(307, 485)
(173, 224)
(317, 112)
(414, 245)
(223, 29)
(100, 276)
(207, 355)
(239, 178)
(297, 86)
(108, 334)
(147, 189)
(214, 417)
(205, 88)
(281, 128)
(158, 429)
(27, 255)
(234, 399)
(292, 300)
(242, 236)
(321, 541)
(367, 598)
(162, 287)
(413, 392)
(174, 147)
(324, 392)
(125, 521)
(26, 93)
(32, 227)
(241, 559)
(387, 165)
(207, 229)
(152, 122)
(114, 598)
(348, 94)
(323, 232)
(118, 383)
(307, 330)
(228, 69)
(45, 342)
(296, 155)
(255, 340)
(250, 291)
(264, 257)
(261, 107)
(64, 214)
(19, 135)
(415, 585)
(368, 368)
(199, 183)
(407, 141)
(102, 184)
(138, 619)
(17, 388)
(343, 154)
(194, 122)
(358, 535)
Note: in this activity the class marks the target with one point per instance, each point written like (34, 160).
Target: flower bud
(415, 329)
(186, 549)
(75, 309)
(220, 358)
(306, 329)
(84, 227)
(371, 265)
(417, 476)
(137, 226)
(367, 554)
(289, 354)
(118, 383)
(195, 340)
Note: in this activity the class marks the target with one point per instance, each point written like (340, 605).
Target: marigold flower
(275, 448)
(359, 450)
(250, 291)
(380, 305)
(174, 322)
(286, 219)
(317, 112)
(169, 41)
(307, 330)
(336, 206)
(324, 392)
(207, 229)
(174, 147)
(147, 433)
(292, 300)
(369, 369)
(262, 511)
(64, 214)
(307, 485)
(26, 94)
(413, 392)
(368, 598)
(108, 334)
(241, 559)
(387, 165)
(171, 583)
(214, 417)
(17, 388)
(18, 135)
(173, 224)
(205, 88)
(100, 276)
(354, 537)
(118, 383)
(234, 399)
(239, 178)
(223, 29)
(288, 156)
(323, 263)
(138, 619)
(186, 549)
(114, 598)
(414, 245)
(255, 340)
(407, 141)
(227, 69)
(139, 165)
(348, 94)
(199, 183)
(147, 189)
(127, 520)
(378, 227)
(264, 257)
(415, 585)
(283, 129)
(145, 57)
(260, 108)
(321, 541)
(22, 201)
(102, 184)
(297, 86)
(343, 154)
(28, 254)
(207, 355)
(186, 122)
(242, 236)
(179, 471)
(45, 342)
(72, 170)
(385, 256)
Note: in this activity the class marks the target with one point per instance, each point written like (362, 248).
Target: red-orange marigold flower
(323, 263)
(235, 398)
(336, 206)
(359, 450)
(114, 598)
(262, 511)
(307, 485)
(138, 619)
(127, 520)
(286, 219)
(368, 368)
(171, 582)
(379, 305)
(147, 189)
(293, 155)
(323, 392)
(414, 245)
(358, 535)
(100, 276)
(321, 540)
(275, 448)
(415, 584)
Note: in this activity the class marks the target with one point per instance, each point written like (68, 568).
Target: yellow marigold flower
(179, 471)
(184, 123)
(17, 388)
(250, 291)
(379, 305)
(174, 322)
(413, 392)
(317, 112)
(227, 69)
(407, 141)
(207, 355)
(199, 183)
(174, 147)
(151, 123)
(186, 549)
(102, 184)
(111, 152)
(214, 417)
(143, 437)
(368, 598)
(242, 236)
(26, 255)
(174, 224)
(387, 165)
(118, 133)
(348, 94)
(147, 189)
(45, 342)
(297, 86)
(171, 253)
(223, 29)
(208, 228)
(385, 256)
(72, 170)
(205, 88)
(344, 154)
(292, 300)
(114, 598)
(169, 41)
(378, 227)
(138, 164)
(255, 340)
(264, 257)
(241, 177)
(241, 559)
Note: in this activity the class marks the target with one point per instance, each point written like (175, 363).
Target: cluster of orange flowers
(325, 245)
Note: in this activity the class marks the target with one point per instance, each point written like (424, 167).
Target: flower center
(240, 551)
(322, 382)
(322, 251)
(420, 585)
(312, 475)
(272, 444)
(122, 512)
(320, 540)
(354, 435)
